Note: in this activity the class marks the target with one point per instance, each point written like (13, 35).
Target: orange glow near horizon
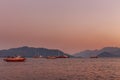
(69, 25)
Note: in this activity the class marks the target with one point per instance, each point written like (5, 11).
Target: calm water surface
(61, 69)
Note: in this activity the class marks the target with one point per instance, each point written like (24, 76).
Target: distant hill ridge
(31, 52)
(104, 52)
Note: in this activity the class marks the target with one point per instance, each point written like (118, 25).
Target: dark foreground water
(61, 69)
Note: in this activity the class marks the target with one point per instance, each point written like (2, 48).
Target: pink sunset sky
(69, 25)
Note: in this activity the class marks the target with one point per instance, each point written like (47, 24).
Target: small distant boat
(15, 59)
(94, 57)
(64, 56)
(51, 57)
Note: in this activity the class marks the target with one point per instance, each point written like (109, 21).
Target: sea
(61, 69)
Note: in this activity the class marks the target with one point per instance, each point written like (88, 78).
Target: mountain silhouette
(31, 52)
(86, 53)
(104, 52)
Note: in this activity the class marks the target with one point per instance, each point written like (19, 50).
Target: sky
(68, 25)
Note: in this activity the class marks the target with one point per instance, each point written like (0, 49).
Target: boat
(61, 56)
(51, 57)
(94, 57)
(15, 59)
(64, 56)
